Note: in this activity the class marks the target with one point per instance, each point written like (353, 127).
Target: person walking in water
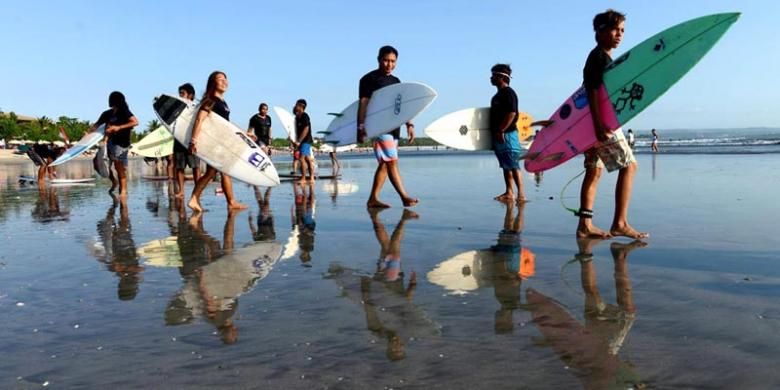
(612, 150)
(212, 101)
(654, 145)
(386, 145)
(119, 121)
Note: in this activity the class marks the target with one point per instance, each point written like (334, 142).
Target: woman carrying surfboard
(386, 145)
(212, 101)
(119, 121)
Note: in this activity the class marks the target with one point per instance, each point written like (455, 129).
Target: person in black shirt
(503, 126)
(212, 101)
(119, 121)
(181, 155)
(612, 150)
(260, 128)
(304, 140)
(386, 145)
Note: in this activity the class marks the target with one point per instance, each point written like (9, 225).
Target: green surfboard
(640, 76)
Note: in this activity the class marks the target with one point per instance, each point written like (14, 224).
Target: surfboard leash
(576, 212)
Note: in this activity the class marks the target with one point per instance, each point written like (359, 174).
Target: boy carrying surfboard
(612, 151)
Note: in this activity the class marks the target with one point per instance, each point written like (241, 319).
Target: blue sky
(64, 58)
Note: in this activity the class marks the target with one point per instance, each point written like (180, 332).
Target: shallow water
(88, 300)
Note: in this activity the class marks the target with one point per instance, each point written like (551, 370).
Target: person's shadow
(592, 348)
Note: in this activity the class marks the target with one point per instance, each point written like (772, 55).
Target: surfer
(119, 121)
(212, 101)
(181, 155)
(386, 145)
(260, 128)
(503, 126)
(631, 138)
(612, 150)
(304, 140)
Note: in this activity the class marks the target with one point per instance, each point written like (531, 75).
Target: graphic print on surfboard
(631, 83)
(221, 144)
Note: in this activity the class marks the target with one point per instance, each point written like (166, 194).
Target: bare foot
(375, 204)
(236, 206)
(194, 204)
(522, 200)
(410, 202)
(587, 230)
(505, 197)
(627, 231)
(179, 195)
(123, 194)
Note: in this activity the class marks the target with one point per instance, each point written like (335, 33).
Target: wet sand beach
(307, 289)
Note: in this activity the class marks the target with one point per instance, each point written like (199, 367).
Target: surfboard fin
(324, 132)
(336, 114)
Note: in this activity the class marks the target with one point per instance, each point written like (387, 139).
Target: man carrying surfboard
(386, 145)
(119, 121)
(181, 155)
(612, 150)
(503, 126)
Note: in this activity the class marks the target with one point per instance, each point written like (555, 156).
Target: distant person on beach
(119, 121)
(260, 128)
(212, 101)
(334, 161)
(654, 145)
(181, 155)
(631, 139)
(503, 126)
(612, 150)
(304, 140)
(386, 145)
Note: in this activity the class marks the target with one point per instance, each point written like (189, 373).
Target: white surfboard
(85, 143)
(101, 162)
(389, 108)
(32, 179)
(469, 129)
(221, 144)
(287, 119)
(158, 143)
(338, 187)
(161, 253)
(327, 148)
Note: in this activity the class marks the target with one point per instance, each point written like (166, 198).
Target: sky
(64, 58)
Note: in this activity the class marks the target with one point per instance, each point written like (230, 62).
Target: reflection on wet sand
(305, 206)
(592, 349)
(386, 300)
(215, 277)
(503, 266)
(264, 230)
(118, 249)
(47, 207)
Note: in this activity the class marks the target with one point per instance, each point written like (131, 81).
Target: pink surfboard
(571, 131)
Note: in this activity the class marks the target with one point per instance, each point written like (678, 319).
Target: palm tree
(151, 126)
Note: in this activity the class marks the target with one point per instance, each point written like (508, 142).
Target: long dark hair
(117, 100)
(210, 95)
